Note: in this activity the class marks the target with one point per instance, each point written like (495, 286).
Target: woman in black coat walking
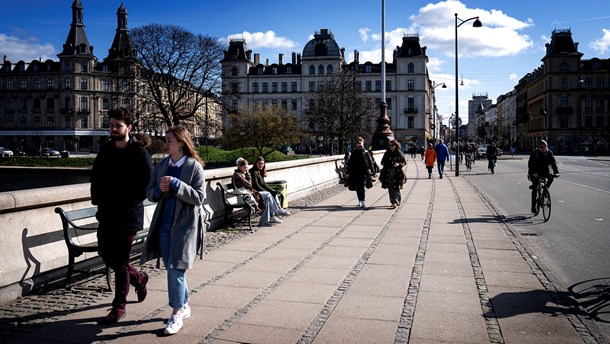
(359, 168)
(392, 175)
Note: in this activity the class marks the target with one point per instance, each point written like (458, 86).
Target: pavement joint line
(405, 324)
(581, 326)
(492, 324)
(322, 317)
(220, 329)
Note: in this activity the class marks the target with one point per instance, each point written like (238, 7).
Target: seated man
(538, 166)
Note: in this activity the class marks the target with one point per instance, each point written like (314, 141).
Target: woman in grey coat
(178, 185)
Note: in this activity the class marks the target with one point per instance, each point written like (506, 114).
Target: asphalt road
(573, 247)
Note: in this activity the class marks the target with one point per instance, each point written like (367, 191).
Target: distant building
(247, 81)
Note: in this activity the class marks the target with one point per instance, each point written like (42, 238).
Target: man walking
(442, 155)
(121, 171)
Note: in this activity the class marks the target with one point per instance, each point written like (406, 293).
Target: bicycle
(543, 198)
(491, 165)
(469, 161)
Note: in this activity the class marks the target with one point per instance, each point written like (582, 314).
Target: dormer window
(234, 71)
(367, 69)
(274, 70)
(564, 66)
(312, 70)
(260, 70)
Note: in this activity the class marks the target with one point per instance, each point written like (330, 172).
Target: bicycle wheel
(538, 202)
(546, 205)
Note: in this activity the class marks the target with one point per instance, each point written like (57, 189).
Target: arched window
(234, 71)
(411, 68)
(312, 70)
(320, 69)
(329, 69)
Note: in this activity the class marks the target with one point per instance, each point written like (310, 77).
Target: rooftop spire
(77, 42)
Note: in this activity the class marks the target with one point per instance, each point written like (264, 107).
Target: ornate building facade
(247, 82)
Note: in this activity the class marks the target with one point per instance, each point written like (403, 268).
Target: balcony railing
(568, 110)
(411, 110)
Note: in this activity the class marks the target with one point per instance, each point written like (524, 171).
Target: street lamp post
(477, 23)
(434, 112)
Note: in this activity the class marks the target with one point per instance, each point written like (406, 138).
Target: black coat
(359, 166)
(390, 176)
(539, 163)
(118, 186)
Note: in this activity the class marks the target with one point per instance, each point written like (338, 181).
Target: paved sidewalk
(439, 269)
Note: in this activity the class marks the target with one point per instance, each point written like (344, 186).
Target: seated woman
(258, 172)
(242, 180)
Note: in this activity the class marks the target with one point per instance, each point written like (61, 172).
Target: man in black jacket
(121, 171)
(538, 165)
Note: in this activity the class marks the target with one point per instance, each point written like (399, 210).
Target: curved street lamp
(434, 110)
(477, 23)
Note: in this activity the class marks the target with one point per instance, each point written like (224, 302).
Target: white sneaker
(174, 324)
(362, 204)
(283, 212)
(274, 219)
(185, 311)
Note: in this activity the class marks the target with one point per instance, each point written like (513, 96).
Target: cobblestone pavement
(50, 305)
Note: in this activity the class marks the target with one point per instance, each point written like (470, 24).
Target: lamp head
(444, 85)
(477, 23)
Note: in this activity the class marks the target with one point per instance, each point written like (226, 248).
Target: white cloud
(603, 44)
(514, 77)
(29, 49)
(262, 40)
(364, 34)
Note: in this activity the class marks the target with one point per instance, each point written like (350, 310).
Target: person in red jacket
(429, 159)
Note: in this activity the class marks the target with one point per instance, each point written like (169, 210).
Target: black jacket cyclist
(538, 165)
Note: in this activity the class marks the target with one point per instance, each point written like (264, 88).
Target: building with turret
(247, 81)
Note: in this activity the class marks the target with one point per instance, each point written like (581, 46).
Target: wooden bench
(237, 199)
(77, 224)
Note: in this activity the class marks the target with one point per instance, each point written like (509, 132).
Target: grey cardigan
(188, 214)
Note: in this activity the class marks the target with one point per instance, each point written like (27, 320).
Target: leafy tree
(179, 69)
(270, 127)
(340, 110)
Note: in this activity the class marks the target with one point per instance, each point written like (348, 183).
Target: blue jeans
(177, 288)
(441, 167)
(272, 206)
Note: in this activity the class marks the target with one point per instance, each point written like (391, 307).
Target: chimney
(576, 45)
(280, 59)
(266, 62)
(257, 59)
(423, 49)
(298, 59)
(356, 57)
(294, 58)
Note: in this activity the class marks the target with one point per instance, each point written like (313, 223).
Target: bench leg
(249, 211)
(70, 269)
(109, 278)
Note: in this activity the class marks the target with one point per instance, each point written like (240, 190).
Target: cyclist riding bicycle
(538, 166)
(492, 155)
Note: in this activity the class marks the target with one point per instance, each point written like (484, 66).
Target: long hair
(264, 170)
(182, 135)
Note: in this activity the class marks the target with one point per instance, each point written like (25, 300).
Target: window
(127, 103)
(36, 104)
(265, 87)
(10, 104)
(9, 121)
(50, 103)
(105, 85)
(260, 70)
(36, 84)
(274, 87)
(255, 87)
(320, 85)
(595, 65)
(126, 86)
(563, 122)
(293, 104)
(563, 83)
(234, 105)
(410, 68)
(564, 66)
(105, 104)
(50, 122)
(293, 86)
(563, 101)
(68, 121)
(320, 69)
(84, 83)
(67, 83)
(330, 69)
(599, 104)
(105, 68)
(388, 85)
(234, 71)
(367, 68)
(83, 67)
(358, 85)
(84, 121)
(411, 85)
(274, 70)
(378, 85)
(23, 84)
(312, 86)
(84, 104)
(599, 83)
(36, 121)
(599, 121)
(67, 103)
(588, 82)
(411, 104)
(22, 122)
(312, 70)
(21, 104)
(410, 122)
(288, 70)
(8, 85)
(588, 103)
(388, 102)
(285, 104)
(235, 87)
(67, 66)
(588, 121)
(106, 121)
(50, 84)
(284, 87)
(368, 85)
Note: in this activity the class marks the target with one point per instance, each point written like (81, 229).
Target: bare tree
(340, 111)
(179, 69)
(270, 127)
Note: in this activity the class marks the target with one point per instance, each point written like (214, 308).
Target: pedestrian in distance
(539, 164)
(442, 155)
(242, 180)
(119, 177)
(430, 158)
(178, 187)
(258, 172)
(392, 175)
(359, 168)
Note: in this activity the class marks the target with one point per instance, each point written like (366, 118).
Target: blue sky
(492, 58)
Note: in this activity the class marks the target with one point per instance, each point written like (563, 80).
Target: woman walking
(360, 167)
(392, 175)
(178, 185)
(430, 159)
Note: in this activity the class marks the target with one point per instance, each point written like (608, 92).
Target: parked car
(50, 152)
(482, 151)
(5, 152)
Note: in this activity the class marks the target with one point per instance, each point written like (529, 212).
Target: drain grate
(528, 234)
